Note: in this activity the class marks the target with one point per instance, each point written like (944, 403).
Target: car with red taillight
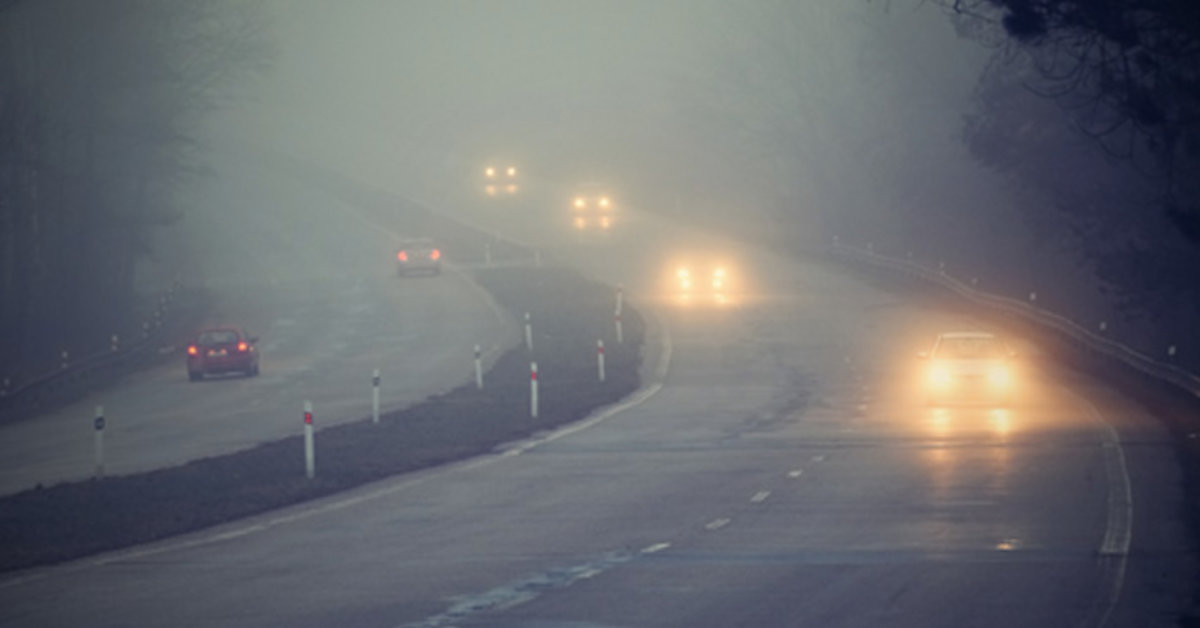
(221, 350)
(418, 255)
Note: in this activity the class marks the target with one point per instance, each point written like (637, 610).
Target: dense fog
(788, 123)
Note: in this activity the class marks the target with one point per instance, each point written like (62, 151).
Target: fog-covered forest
(1035, 145)
(99, 102)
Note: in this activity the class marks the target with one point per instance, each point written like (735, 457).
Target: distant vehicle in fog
(500, 181)
(221, 350)
(707, 281)
(968, 367)
(592, 209)
(418, 255)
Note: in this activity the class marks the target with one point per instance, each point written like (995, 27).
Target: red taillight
(436, 254)
(242, 346)
(402, 256)
(192, 350)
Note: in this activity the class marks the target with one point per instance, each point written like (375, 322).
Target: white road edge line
(302, 513)
(1118, 533)
(654, 549)
(717, 524)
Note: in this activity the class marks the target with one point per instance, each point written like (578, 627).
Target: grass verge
(73, 520)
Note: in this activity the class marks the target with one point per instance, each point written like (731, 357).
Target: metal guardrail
(26, 392)
(1169, 373)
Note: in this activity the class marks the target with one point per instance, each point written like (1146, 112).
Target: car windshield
(968, 348)
(218, 337)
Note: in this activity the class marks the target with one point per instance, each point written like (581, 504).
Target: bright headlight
(939, 375)
(512, 172)
(489, 173)
(579, 202)
(999, 375)
(604, 202)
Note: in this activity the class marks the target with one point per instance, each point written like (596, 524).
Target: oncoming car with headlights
(696, 282)
(968, 367)
(500, 181)
(592, 210)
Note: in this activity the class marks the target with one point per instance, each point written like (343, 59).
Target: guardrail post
(478, 368)
(375, 396)
(98, 430)
(600, 358)
(528, 333)
(310, 453)
(533, 390)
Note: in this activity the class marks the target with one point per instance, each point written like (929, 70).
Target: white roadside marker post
(528, 333)
(620, 334)
(375, 396)
(310, 454)
(98, 429)
(478, 368)
(533, 390)
(600, 358)
(620, 297)
(114, 343)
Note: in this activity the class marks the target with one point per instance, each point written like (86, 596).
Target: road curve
(317, 283)
(778, 469)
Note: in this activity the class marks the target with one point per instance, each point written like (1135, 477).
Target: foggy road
(778, 469)
(328, 309)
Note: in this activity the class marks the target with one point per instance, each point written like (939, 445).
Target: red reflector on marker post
(310, 457)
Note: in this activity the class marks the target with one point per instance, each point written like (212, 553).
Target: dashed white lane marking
(654, 549)
(818, 458)
(760, 496)
(717, 524)
(795, 473)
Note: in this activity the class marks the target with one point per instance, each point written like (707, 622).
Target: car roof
(967, 334)
(208, 330)
(416, 241)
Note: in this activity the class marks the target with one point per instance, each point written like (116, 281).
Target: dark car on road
(418, 255)
(222, 350)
